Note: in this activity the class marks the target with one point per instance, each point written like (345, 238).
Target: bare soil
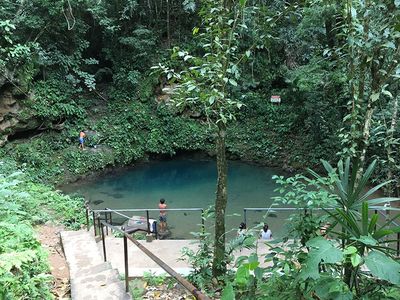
(49, 236)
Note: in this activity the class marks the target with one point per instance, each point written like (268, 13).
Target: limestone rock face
(11, 119)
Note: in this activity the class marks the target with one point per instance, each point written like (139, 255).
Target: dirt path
(48, 235)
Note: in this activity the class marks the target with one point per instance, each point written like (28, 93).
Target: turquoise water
(184, 184)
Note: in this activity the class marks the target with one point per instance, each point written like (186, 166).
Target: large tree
(208, 84)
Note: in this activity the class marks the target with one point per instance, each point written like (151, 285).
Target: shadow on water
(96, 202)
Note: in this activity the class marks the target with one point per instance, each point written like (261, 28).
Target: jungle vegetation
(105, 66)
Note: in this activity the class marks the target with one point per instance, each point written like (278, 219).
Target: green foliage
(200, 260)
(324, 262)
(138, 130)
(206, 84)
(355, 263)
(362, 238)
(383, 267)
(323, 251)
(304, 194)
(136, 288)
(152, 279)
(320, 56)
(147, 87)
(36, 203)
(371, 66)
(81, 162)
(228, 293)
(53, 101)
(248, 276)
(352, 191)
(332, 289)
(23, 263)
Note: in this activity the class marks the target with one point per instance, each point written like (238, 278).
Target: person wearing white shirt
(266, 233)
(242, 229)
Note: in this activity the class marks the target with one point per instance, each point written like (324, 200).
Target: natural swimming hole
(185, 183)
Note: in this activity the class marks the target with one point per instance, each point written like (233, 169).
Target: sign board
(276, 99)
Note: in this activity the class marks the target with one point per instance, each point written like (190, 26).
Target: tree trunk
(329, 31)
(219, 264)
(389, 150)
(168, 26)
(365, 139)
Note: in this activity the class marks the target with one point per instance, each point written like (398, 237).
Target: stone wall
(11, 118)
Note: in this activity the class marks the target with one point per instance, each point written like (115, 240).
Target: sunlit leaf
(383, 267)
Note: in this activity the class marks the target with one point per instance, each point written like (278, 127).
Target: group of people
(265, 233)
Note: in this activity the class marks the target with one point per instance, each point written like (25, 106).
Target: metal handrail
(190, 287)
(396, 224)
(145, 209)
(96, 213)
(299, 208)
(272, 209)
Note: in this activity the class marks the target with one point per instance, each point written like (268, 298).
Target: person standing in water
(163, 214)
(82, 136)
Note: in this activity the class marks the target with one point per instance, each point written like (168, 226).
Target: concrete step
(89, 269)
(80, 250)
(100, 278)
(91, 277)
(112, 291)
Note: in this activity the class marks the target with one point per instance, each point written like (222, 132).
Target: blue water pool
(184, 183)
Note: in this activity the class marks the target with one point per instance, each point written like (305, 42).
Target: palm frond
(362, 184)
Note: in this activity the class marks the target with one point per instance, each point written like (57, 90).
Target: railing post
(203, 228)
(105, 219)
(387, 218)
(126, 264)
(376, 212)
(148, 222)
(110, 218)
(245, 216)
(104, 242)
(94, 223)
(99, 224)
(87, 216)
(398, 244)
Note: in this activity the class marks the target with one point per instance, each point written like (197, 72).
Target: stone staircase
(91, 277)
